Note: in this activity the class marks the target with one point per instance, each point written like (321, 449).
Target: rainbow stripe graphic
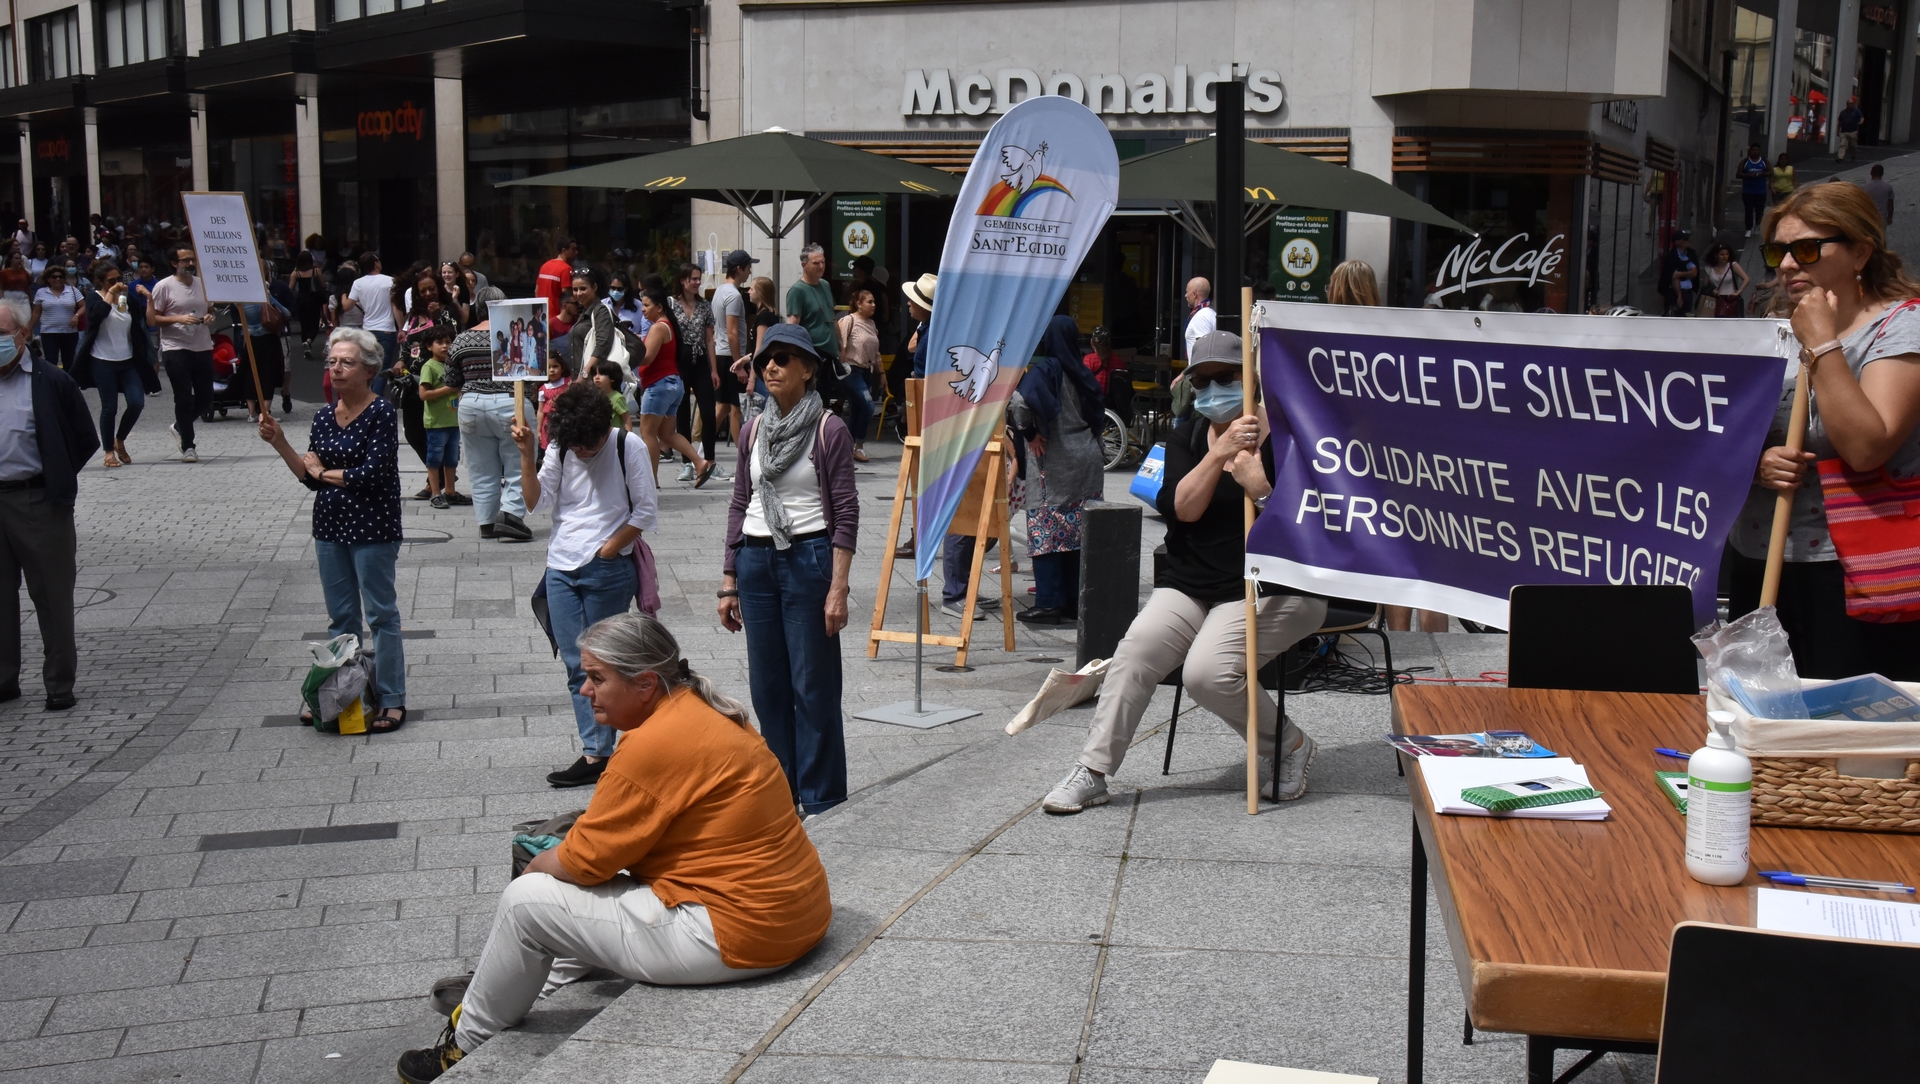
(1005, 201)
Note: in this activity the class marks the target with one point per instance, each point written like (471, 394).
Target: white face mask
(1219, 402)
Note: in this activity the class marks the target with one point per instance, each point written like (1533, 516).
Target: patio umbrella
(1275, 178)
(766, 167)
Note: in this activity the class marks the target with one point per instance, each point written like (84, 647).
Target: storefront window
(265, 168)
(512, 229)
(377, 164)
(1521, 262)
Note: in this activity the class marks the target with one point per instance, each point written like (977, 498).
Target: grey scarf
(779, 439)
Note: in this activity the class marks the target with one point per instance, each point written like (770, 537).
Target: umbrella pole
(778, 231)
(919, 643)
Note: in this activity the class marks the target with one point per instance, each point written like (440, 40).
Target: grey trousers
(37, 543)
(1212, 641)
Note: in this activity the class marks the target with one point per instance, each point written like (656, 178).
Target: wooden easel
(982, 515)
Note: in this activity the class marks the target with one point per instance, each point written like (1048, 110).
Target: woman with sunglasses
(353, 467)
(1854, 311)
(1196, 619)
(115, 357)
(791, 529)
(56, 317)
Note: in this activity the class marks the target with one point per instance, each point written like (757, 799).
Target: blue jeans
(389, 342)
(354, 575)
(1056, 581)
(662, 397)
(794, 666)
(575, 600)
(956, 567)
(443, 447)
(860, 405)
(493, 459)
(116, 380)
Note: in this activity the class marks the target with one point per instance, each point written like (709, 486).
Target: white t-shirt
(56, 310)
(374, 295)
(589, 502)
(1204, 322)
(727, 302)
(798, 490)
(111, 344)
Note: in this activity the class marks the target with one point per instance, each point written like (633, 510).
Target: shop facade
(376, 124)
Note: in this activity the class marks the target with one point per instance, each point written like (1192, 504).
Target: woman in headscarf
(1053, 411)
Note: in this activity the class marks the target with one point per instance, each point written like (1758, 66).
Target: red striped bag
(1874, 519)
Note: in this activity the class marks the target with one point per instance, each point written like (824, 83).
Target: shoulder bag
(1874, 519)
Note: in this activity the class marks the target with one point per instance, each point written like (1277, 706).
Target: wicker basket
(1812, 794)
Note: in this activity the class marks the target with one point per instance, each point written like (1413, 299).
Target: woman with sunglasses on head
(1196, 618)
(791, 529)
(115, 357)
(1854, 311)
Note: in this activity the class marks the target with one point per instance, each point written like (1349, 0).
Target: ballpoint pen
(1665, 752)
(1814, 880)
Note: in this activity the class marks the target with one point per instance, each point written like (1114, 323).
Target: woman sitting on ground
(1196, 618)
(720, 882)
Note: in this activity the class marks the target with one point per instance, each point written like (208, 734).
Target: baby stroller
(232, 383)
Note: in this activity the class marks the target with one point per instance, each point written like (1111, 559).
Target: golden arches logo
(665, 182)
(1262, 192)
(918, 187)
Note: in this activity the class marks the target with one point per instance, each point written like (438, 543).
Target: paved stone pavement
(974, 938)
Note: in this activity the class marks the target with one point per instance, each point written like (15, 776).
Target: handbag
(1874, 520)
(646, 591)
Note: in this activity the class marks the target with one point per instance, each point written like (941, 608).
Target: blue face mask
(617, 295)
(1219, 402)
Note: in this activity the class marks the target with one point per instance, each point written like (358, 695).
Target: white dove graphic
(1023, 167)
(977, 371)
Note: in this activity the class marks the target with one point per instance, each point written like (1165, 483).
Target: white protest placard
(222, 233)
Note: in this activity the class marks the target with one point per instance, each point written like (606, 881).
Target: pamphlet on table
(1447, 777)
(1487, 743)
(1836, 916)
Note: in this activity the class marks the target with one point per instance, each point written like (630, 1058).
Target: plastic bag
(1749, 660)
(1060, 691)
(336, 683)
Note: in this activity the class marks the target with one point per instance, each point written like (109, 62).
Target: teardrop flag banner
(1039, 190)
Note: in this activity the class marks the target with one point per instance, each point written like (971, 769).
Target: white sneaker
(958, 610)
(175, 430)
(686, 473)
(190, 456)
(1293, 768)
(1080, 789)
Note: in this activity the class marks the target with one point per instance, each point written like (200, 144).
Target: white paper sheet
(1446, 777)
(1243, 1072)
(1837, 916)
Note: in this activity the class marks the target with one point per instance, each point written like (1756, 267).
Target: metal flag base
(913, 713)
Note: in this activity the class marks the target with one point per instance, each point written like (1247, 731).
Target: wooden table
(1559, 929)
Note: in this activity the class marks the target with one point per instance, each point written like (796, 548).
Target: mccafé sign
(387, 123)
(938, 92)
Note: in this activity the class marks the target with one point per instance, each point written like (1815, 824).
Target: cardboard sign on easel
(230, 271)
(982, 515)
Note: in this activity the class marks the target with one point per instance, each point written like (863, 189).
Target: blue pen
(1783, 877)
(1673, 753)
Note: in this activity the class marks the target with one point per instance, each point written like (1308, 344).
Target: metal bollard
(1109, 577)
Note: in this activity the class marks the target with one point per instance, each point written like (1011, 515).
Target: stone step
(509, 1056)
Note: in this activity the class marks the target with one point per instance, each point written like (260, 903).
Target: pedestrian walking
(486, 432)
(595, 484)
(46, 436)
(115, 357)
(371, 295)
(57, 317)
(1053, 411)
(1850, 120)
(1880, 192)
(1679, 266)
(1752, 172)
(1724, 280)
(1780, 178)
(556, 275)
(1196, 619)
(266, 323)
(662, 389)
(859, 340)
(1848, 295)
(186, 345)
(1201, 319)
(309, 286)
(352, 465)
(591, 340)
(791, 531)
(733, 338)
(698, 362)
(810, 304)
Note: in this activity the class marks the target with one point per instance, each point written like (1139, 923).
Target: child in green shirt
(607, 377)
(441, 414)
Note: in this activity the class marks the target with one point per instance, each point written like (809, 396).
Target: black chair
(1631, 638)
(1344, 617)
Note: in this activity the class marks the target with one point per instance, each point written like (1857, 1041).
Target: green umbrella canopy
(767, 167)
(1274, 177)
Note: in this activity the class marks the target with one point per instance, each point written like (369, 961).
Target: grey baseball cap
(1216, 347)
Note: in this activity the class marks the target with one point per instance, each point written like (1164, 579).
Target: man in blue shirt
(1753, 185)
(1850, 120)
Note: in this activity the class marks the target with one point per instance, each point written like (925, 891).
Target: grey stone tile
(367, 887)
(310, 860)
(148, 1005)
(1330, 829)
(74, 911)
(55, 880)
(950, 1000)
(1101, 830)
(160, 871)
(253, 896)
(292, 989)
(189, 1034)
(58, 1049)
(227, 796)
(21, 1019)
(281, 953)
(62, 937)
(1109, 1074)
(803, 1069)
(124, 932)
(246, 922)
(1357, 911)
(83, 970)
(233, 1064)
(579, 1062)
(1005, 897)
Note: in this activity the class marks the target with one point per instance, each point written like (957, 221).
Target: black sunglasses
(1225, 378)
(1806, 251)
(782, 358)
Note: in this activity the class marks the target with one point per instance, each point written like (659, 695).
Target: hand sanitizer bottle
(1719, 806)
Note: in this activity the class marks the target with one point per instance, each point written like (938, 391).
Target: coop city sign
(939, 92)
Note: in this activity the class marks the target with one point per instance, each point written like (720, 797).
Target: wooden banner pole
(1253, 587)
(520, 402)
(259, 394)
(1783, 504)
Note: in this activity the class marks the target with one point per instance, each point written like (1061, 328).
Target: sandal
(705, 474)
(387, 722)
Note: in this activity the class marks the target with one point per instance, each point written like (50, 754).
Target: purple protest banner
(1436, 459)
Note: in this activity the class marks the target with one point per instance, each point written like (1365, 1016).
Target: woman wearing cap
(1053, 411)
(791, 529)
(1196, 618)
